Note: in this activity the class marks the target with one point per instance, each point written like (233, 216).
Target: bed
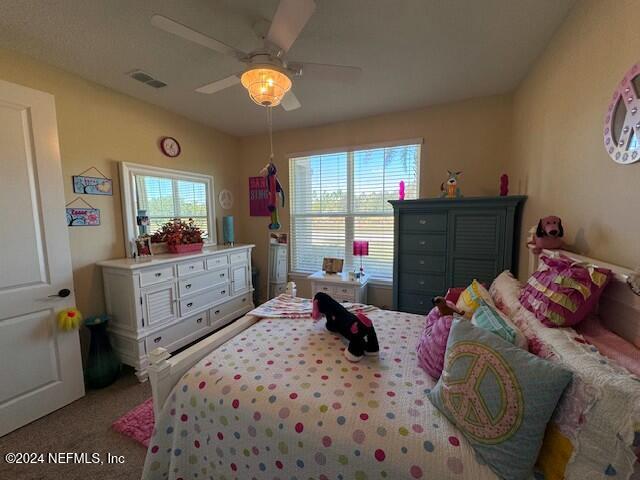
(275, 398)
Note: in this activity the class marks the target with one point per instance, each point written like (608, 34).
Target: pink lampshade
(360, 248)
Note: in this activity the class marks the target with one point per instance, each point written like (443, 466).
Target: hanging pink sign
(258, 197)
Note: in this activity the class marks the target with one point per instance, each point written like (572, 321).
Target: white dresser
(339, 286)
(170, 300)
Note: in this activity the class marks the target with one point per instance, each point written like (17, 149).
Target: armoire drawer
(423, 243)
(422, 282)
(347, 294)
(423, 263)
(156, 275)
(190, 268)
(217, 314)
(202, 300)
(217, 261)
(173, 334)
(189, 286)
(424, 222)
(416, 303)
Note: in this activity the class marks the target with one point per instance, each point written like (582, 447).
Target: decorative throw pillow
(505, 291)
(433, 343)
(469, 299)
(499, 396)
(562, 292)
(493, 320)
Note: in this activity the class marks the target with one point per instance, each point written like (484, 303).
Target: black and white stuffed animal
(357, 328)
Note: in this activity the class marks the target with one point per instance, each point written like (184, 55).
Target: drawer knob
(222, 275)
(199, 320)
(216, 312)
(223, 292)
(191, 267)
(423, 221)
(421, 262)
(244, 299)
(187, 286)
(190, 304)
(423, 242)
(159, 274)
(157, 339)
(421, 282)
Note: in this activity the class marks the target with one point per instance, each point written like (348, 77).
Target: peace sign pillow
(499, 396)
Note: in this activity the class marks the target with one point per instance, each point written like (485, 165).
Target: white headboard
(619, 307)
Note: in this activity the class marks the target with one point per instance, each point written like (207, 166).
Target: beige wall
(473, 136)
(99, 127)
(559, 159)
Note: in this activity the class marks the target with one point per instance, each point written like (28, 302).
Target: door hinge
(140, 300)
(142, 321)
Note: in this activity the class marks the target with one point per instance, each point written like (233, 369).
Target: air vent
(147, 79)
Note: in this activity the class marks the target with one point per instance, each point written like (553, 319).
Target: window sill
(384, 284)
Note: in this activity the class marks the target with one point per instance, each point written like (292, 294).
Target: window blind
(337, 198)
(167, 198)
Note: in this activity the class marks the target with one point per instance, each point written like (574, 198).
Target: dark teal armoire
(442, 243)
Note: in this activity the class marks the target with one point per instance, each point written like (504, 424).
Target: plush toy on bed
(548, 234)
(357, 328)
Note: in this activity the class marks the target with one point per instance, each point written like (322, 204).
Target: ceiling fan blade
(322, 71)
(289, 20)
(218, 85)
(180, 30)
(290, 101)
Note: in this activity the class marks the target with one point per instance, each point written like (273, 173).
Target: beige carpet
(83, 426)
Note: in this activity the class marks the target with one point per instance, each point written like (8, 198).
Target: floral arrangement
(178, 232)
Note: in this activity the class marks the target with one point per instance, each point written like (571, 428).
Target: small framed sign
(83, 217)
(258, 197)
(92, 185)
(332, 265)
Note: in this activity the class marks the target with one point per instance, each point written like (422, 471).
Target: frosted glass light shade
(266, 86)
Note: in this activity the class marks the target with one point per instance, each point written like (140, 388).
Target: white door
(40, 366)
(239, 279)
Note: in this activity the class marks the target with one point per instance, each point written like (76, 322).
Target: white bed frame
(619, 312)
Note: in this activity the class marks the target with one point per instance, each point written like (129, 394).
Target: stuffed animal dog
(357, 328)
(548, 234)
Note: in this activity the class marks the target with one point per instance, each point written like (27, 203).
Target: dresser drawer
(424, 282)
(189, 286)
(423, 243)
(423, 222)
(189, 268)
(217, 314)
(420, 304)
(217, 261)
(347, 294)
(156, 275)
(174, 334)
(321, 287)
(423, 263)
(202, 300)
(238, 257)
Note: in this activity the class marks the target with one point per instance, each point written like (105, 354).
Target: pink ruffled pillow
(433, 342)
(563, 292)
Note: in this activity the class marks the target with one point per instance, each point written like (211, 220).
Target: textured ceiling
(413, 52)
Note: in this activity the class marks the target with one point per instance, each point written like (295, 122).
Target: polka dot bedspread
(280, 401)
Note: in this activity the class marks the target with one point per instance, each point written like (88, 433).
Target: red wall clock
(170, 146)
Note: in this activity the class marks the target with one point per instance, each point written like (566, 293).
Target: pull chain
(270, 124)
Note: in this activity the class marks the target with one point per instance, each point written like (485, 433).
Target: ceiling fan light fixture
(266, 85)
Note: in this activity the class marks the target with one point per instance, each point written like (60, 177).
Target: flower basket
(186, 248)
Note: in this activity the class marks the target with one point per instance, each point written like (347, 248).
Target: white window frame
(349, 151)
(128, 172)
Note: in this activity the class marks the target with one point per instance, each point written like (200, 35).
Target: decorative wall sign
(226, 199)
(258, 197)
(92, 185)
(81, 216)
(622, 120)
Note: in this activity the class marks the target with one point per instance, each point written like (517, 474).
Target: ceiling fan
(268, 73)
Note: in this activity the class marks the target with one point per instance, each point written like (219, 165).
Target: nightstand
(339, 286)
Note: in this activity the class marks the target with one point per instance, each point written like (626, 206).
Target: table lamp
(360, 249)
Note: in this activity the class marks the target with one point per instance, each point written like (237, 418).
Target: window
(166, 194)
(337, 198)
